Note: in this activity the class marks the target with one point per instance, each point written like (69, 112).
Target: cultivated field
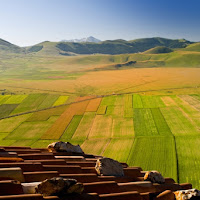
(141, 80)
(160, 132)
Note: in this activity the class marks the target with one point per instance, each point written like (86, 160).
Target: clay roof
(31, 165)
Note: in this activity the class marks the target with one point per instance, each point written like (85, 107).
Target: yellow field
(119, 81)
(58, 128)
(101, 127)
(93, 105)
(168, 101)
(122, 127)
(84, 127)
(95, 146)
(191, 101)
(79, 108)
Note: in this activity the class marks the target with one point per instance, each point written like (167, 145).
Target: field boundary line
(130, 149)
(105, 147)
(135, 86)
(165, 122)
(33, 111)
(26, 88)
(87, 138)
(67, 127)
(155, 122)
(98, 96)
(177, 165)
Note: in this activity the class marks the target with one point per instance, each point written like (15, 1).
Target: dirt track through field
(99, 96)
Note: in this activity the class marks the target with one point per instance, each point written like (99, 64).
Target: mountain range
(112, 47)
(87, 39)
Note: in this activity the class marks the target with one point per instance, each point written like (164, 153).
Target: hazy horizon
(30, 22)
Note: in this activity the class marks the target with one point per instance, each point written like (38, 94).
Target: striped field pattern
(149, 131)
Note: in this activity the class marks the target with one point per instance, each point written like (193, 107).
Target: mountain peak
(87, 39)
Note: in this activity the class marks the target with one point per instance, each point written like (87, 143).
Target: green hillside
(120, 46)
(142, 130)
(193, 47)
(158, 50)
(112, 47)
(176, 58)
(177, 43)
(7, 47)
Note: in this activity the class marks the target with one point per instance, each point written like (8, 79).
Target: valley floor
(139, 80)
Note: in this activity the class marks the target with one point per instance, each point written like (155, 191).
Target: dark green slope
(120, 46)
(148, 43)
(7, 47)
(158, 50)
(106, 47)
(34, 48)
(193, 47)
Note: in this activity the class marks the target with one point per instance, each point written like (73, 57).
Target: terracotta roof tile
(10, 187)
(39, 176)
(10, 160)
(134, 195)
(48, 161)
(26, 167)
(32, 165)
(23, 197)
(2, 149)
(63, 169)
(36, 156)
(105, 187)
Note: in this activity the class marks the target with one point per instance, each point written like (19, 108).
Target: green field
(144, 122)
(30, 130)
(16, 99)
(4, 99)
(179, 123)
(119, 149)
(6, 109)
(71, 128)
(122, 127)
(154, 132)
(155, 153)
(32, 102)
(128, 105)
(188, 159)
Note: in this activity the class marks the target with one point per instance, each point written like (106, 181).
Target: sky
(28, 22)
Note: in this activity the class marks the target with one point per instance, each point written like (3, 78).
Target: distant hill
(158, 50)
(111, 47)
(148, 43)
(8, 47)
(87, 39)
(114, 47)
